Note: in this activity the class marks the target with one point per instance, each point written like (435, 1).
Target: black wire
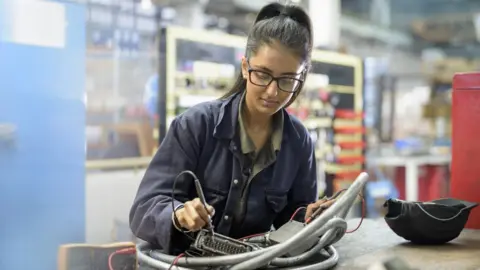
(173, 201)
(193, 253)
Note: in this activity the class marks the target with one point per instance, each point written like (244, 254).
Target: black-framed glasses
(263, 78)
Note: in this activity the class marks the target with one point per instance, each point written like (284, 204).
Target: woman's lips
(269, 103)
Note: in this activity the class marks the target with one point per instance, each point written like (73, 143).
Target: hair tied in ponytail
(287, 24)
(283, 14)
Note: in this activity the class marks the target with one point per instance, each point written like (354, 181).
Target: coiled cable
(330, 225)
(235, 259)
(309, 231)
(337, 224)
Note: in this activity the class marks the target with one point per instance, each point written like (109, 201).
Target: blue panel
(42, 176)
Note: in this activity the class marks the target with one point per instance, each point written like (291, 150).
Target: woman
(256, 163)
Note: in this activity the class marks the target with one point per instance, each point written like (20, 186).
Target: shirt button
(226, 217)
(235, 181)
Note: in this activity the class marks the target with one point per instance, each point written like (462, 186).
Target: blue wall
(42, 178)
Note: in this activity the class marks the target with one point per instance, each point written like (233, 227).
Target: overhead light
(146, 4)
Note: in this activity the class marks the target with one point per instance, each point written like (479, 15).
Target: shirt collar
(277, 134)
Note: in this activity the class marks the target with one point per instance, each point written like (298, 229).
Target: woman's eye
(288, 81)
(263, 76)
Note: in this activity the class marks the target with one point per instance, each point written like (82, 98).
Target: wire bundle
(329, 227)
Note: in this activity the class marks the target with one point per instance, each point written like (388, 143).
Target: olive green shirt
(261, 158)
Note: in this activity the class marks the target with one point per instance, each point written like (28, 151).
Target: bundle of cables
(323, 232)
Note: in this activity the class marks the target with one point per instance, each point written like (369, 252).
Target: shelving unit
(331, 107)
(197, 66)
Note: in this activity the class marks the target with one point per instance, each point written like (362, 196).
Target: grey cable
(258, 239)
(227, 259)
(158, 264)
(326, 225)
(338, 223)
(334, 235)
(309, 231)
(210, 261)
(327, 264)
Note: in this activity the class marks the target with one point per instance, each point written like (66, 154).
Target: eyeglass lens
(261, 78)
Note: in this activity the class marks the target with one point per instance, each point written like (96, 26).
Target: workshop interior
(89, 88)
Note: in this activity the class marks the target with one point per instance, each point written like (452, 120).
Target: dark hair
(287, 24)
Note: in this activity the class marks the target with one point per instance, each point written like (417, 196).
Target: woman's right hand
(193, 216)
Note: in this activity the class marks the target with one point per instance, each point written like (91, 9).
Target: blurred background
(108, 76)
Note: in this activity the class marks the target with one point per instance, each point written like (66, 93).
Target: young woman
(255, 162)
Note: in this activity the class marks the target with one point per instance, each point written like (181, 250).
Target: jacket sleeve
(304, 190)
(151, 213)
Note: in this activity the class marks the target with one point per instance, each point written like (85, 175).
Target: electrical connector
(220, 245)
(287, 231)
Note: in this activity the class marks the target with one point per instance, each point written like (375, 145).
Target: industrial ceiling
(445, 24)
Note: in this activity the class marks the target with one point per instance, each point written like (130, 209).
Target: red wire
(129, 250)
(293, 216)
(296, 212)
(120, 251)
(262, 234)
(176, 261)
(361, 219)
(251, 236)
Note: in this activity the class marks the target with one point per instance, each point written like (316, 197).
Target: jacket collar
(227, 120)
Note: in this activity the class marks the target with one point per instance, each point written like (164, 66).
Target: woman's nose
(272, 89)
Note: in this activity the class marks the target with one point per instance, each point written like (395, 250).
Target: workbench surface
(374, 242)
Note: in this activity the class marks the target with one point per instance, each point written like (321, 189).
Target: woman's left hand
(322, 203)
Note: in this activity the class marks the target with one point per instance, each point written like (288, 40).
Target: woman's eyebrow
(271, 71)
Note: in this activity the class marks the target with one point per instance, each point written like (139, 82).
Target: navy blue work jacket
(204, 139)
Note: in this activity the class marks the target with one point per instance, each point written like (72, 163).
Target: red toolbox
(432, 182)
(465, 182)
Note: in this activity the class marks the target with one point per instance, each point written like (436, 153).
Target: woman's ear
(244, 67)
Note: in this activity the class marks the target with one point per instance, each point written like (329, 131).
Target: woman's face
(265, 96)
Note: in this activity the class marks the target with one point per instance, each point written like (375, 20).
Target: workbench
(374, 242)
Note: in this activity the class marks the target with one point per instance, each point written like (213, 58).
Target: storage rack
(182, 46)
(342, 77)
(341, 149)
